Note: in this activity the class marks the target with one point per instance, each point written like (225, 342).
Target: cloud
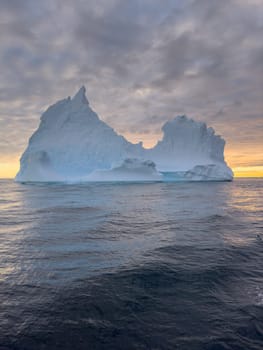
(143, 62)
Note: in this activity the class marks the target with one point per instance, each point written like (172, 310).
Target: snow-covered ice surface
(131, 169)
(72, 144)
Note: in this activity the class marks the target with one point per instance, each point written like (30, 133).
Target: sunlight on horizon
(9, 169)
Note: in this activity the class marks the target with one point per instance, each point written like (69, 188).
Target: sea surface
(131, 266)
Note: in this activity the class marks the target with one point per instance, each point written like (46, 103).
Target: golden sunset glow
(10, 168)
(240, 158)
(252, 171)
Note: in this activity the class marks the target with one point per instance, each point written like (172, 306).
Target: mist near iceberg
(72, 144)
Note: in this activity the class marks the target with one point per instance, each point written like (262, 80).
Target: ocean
(131, 266)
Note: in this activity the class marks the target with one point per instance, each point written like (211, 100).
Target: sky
(143, 62)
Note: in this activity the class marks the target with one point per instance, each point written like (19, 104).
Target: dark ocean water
(131, 266)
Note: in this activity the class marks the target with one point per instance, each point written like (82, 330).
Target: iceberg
(73, 144)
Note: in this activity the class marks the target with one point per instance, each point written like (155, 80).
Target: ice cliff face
(72, 143)
(185, 144)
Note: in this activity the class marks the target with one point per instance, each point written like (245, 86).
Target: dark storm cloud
(143, 62)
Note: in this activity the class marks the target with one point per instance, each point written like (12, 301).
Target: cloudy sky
(142, 62)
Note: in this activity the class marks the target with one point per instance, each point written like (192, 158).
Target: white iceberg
(73, 144)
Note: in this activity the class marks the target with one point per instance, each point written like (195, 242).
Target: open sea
(131, 266)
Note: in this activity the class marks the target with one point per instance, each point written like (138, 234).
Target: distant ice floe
(72, 144)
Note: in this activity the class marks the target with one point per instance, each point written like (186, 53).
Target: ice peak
(80, 96)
